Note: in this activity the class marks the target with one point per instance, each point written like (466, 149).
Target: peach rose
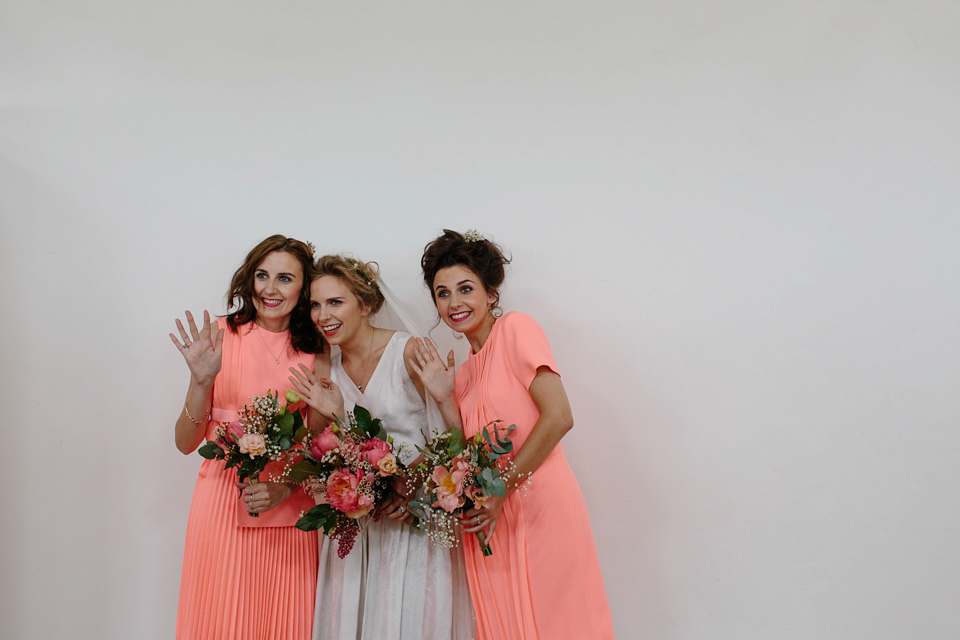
(387, 465)
(253, 444)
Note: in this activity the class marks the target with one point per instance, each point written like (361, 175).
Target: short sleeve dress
(543, 579)
(245, 577)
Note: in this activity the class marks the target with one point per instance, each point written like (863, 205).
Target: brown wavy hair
(304, 335)
(360, 277)
(483, 257)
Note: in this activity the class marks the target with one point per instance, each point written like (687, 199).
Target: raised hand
(202, 349)
(437, 377)
(321, 394)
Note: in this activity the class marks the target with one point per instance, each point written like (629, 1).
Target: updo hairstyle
(304, 335)
(477, 254)
(360, 277)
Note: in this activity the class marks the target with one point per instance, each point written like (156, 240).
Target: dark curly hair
(304, 335)
(481, 256)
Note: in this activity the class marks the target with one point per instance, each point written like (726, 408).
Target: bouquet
(458, 475)
(264, 431)
(349, 469)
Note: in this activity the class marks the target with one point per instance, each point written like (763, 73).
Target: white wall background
(736, 221)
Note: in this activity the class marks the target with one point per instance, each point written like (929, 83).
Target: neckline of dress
(483, 349)
(375, 368)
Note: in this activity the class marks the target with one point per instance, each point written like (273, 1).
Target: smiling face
(277, 282)
(336, 310)
(462, 302)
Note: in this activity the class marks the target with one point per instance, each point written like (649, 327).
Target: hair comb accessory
(472, 235)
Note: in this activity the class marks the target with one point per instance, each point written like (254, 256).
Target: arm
(554, 422)
(202, 350)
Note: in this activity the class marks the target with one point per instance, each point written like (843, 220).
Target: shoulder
(518, 323)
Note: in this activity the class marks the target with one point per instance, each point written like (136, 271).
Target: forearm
(188, 432)
(544, 438)
(450, 412)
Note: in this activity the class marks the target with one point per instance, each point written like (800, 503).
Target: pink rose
(449, 488)
(343, 494)
(253, 444)
(235, 430)
(326, 441)
(375, 449)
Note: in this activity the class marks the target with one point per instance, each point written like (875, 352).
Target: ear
(491, 298)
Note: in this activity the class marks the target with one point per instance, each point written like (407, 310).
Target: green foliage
(498, 445)
(321, 516)
(491, 483)
(303, 470)
(211, 451)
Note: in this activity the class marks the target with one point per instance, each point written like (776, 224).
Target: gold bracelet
(190, 417)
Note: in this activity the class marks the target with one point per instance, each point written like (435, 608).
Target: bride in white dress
(395, 584)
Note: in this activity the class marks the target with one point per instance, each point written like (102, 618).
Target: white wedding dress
(395, 584)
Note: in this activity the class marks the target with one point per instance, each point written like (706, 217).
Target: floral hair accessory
(313, 249)
(363, 274)
(472, 235)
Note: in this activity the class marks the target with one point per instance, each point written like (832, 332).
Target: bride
(394, 584)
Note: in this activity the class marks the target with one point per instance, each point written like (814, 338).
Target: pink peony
(343, 494)
(449, 488)
(253, 444)
(375, 449)
(326, 441)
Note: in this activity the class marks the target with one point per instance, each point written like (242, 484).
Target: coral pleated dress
(543, 580)
(246, 578)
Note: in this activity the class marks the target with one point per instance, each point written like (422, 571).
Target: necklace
(276, 358)
(366, 364)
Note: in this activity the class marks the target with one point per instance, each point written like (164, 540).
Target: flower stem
(252, 480)
(484, 547)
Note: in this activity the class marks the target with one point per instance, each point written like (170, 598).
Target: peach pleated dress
(246, 578)
(543, 580)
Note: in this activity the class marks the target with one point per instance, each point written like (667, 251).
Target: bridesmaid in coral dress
(247, 577)
(543, 580)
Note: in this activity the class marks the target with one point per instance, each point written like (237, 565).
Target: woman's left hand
(264, 496)
(323, 395)
(480, 518)
(395, 508)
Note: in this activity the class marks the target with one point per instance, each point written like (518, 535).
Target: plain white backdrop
(736, 221)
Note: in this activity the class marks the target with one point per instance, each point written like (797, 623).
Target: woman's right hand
(437, 377)
(202, 349)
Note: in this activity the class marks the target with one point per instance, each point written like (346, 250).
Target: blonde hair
(360, 277)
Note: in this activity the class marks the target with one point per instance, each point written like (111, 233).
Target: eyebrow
(441, 286)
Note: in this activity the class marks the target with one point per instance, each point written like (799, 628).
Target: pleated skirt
(242, 583)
